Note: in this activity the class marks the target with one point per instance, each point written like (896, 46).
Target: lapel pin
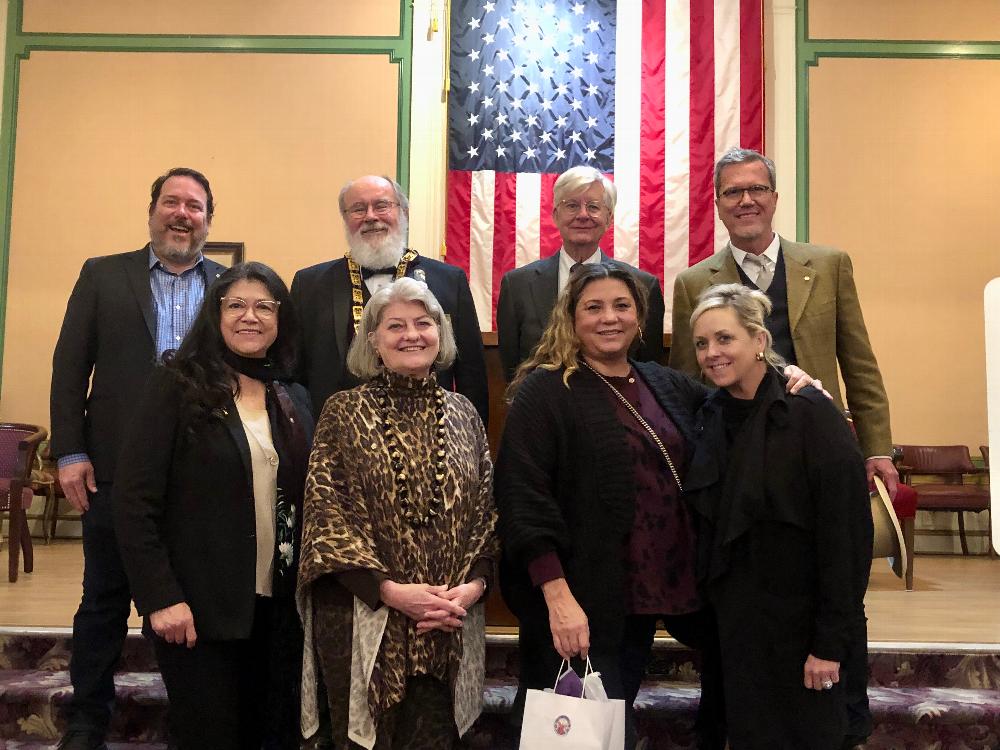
(805, 278)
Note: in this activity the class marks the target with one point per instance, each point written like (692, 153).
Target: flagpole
(445, 91)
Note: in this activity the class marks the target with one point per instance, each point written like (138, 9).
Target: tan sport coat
(827, 328)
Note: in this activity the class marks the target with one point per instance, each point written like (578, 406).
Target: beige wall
(276, 134)
(237, 17)
(902, 177)
(967, 20)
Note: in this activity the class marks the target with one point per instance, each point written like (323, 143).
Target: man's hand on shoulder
(76, 479)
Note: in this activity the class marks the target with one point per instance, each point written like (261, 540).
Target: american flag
(650, 92)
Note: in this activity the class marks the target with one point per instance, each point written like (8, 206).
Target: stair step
(18, 745)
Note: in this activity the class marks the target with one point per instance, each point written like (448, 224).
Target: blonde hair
(559, 345)
(362, 359)
(751, 306)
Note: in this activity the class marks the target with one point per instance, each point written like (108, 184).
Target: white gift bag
(562, 722)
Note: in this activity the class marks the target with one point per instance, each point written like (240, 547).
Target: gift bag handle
(587, 672)
(563, 668)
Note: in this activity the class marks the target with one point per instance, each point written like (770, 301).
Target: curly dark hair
(208, 382)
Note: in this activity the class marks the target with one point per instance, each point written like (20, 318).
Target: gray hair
(362, 359)
(576, 179)
(401, 199)
(737, 155)
(751, 306)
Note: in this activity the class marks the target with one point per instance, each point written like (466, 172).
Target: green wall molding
(20, 45)
(810, 52)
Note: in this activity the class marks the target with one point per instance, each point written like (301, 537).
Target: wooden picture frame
(226, 253)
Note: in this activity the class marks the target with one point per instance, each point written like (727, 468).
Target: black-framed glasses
(237, 306)
(379, 208)
(735, 194)
(572, 208)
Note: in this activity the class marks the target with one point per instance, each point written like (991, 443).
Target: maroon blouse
(660, 552)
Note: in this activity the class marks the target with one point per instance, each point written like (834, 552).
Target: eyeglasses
(380, 208)
(237, 306)
(735, 194)
(572, 208)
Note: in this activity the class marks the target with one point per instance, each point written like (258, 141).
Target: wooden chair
(984, 451)
(952, 464)
(18, 444)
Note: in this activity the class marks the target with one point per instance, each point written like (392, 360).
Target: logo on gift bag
(562, 725)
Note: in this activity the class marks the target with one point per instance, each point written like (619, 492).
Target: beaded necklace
(416, 517)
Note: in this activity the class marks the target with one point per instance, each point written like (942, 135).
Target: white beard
(380, 251)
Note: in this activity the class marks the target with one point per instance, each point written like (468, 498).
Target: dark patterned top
(660, 554)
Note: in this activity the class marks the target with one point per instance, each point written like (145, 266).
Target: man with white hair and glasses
(583, 207)
(330, 296)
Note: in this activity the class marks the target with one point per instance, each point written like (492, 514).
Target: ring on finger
(827, 684)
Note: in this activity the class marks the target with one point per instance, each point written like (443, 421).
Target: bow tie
(367, 273)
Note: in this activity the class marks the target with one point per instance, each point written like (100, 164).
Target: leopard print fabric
(352, 520)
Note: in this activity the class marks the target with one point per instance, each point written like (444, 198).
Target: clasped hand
(432, 607)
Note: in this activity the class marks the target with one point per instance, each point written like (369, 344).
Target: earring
(641, 339)
(759, 356)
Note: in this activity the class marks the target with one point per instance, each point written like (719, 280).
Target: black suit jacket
(184, 511)
(322, 297)
(527, 296)
(105, 351)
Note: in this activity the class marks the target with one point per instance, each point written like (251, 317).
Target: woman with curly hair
(208, 508)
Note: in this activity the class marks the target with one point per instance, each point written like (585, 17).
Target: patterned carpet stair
(922, 698)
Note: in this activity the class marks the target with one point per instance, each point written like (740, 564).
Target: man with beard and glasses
(125, 311)
(583, 208)
(329, 297)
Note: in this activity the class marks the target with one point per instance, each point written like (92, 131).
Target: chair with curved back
(952, 465)
(18, 445)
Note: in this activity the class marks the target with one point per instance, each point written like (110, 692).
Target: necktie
(574, 268)
(764, 272)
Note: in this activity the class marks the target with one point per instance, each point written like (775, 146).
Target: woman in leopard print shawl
(398, 540)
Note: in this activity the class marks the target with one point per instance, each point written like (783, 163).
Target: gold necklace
(357, 295)
(641, 421)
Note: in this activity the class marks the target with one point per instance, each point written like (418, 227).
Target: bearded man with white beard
(330, 296)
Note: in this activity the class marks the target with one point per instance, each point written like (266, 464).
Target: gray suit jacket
(527, 296)
(828, 329)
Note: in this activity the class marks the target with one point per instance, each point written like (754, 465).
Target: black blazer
(527, 296)
(322, 297)
(184, 511)
(109, 332)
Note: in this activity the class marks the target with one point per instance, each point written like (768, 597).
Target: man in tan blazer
(816, 323)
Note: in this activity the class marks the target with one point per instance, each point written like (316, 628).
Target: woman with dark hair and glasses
(208, 509)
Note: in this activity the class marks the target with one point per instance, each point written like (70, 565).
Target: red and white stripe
(691, 89)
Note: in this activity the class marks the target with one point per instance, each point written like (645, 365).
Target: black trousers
(218, 689)
(101, 622)
(696, 630)
(854, 672)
